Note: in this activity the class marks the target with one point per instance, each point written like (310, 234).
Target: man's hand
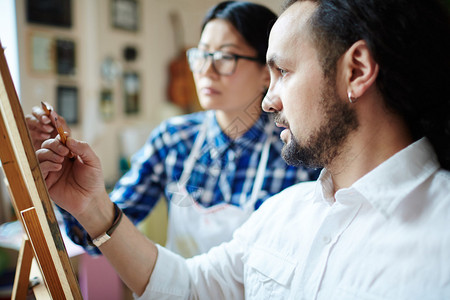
(73, 184)
(41, 127)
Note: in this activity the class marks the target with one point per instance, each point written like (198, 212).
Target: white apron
(194, 229)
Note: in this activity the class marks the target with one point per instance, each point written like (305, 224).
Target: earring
(351, 99)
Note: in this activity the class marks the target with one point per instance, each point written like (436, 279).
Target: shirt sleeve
(218, 274)
(169, 279)
(137, 192)
(215, 275)
(77, 233)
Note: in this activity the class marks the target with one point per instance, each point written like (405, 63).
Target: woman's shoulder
(184, 121)
(180, 126)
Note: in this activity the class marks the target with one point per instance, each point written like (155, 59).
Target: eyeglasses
(223, 63)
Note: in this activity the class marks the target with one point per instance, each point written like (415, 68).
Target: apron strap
(190, 161)
(259, 179)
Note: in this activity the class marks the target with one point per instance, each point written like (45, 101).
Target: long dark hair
(253, 21)
(410, 41)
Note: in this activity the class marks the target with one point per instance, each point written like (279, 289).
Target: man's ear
(361, 70)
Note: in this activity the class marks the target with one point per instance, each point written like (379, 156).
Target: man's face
(316, 118)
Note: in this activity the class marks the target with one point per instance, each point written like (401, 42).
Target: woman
(217, 166)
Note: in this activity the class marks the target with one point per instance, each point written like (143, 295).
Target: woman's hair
(410, 41)
(253, 21)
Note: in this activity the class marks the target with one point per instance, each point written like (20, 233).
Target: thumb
(84, 151)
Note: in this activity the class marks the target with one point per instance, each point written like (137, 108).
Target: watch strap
(104, 237)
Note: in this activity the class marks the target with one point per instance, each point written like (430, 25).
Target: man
(362, 88)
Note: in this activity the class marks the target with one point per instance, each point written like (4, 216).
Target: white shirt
(385, 237)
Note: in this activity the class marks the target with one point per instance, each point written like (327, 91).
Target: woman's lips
(209, 91)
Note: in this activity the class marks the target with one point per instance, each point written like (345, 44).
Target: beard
(326, 142)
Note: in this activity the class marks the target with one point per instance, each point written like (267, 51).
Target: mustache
(279, 118)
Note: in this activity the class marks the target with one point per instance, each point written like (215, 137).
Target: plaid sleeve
(137, 192)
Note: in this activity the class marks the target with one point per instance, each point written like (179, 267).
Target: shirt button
(326, 240)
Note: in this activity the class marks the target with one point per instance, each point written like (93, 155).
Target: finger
(53, 117)
(84, 151)
(40, 114)
(39, 136)
(56, 146)
(34, 123)
(59, 122)
(49, 161)
(48, 167)
(63, 123)
(44, 155)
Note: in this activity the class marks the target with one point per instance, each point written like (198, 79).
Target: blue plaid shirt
(224, 169)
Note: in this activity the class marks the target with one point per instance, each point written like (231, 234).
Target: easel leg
(42, 253)
(37, 283)
(30, 197)
(22, 277)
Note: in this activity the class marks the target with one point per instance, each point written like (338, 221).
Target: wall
(8, 36)
(96, 39)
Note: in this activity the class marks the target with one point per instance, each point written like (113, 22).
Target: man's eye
(282, 72)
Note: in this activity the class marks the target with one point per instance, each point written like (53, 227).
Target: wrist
(98, 216)
(105, 236)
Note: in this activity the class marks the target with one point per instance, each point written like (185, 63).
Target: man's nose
(271, 102)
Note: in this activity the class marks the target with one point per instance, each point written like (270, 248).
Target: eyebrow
(222, 46)
(272, 61)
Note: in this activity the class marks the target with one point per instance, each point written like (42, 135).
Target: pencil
(63, 137)
(46, 109)
(58, 127)
(60, 131)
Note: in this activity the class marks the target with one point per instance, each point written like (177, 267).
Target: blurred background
(105, 65)
(114, 69)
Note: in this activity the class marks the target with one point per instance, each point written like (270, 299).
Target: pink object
(98, 279)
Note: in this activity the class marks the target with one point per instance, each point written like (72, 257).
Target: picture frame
(106, 104)
(65, 54)
(49, 12)
(67, 103)
(42, 54)
(125, 14)
(132, 91)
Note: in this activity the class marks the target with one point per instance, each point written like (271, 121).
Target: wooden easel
(31, 202)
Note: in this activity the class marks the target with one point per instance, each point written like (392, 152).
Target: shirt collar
(324, 188)
(386, 186)
(217, 139)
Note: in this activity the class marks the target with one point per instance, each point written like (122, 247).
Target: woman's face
(229, 93)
